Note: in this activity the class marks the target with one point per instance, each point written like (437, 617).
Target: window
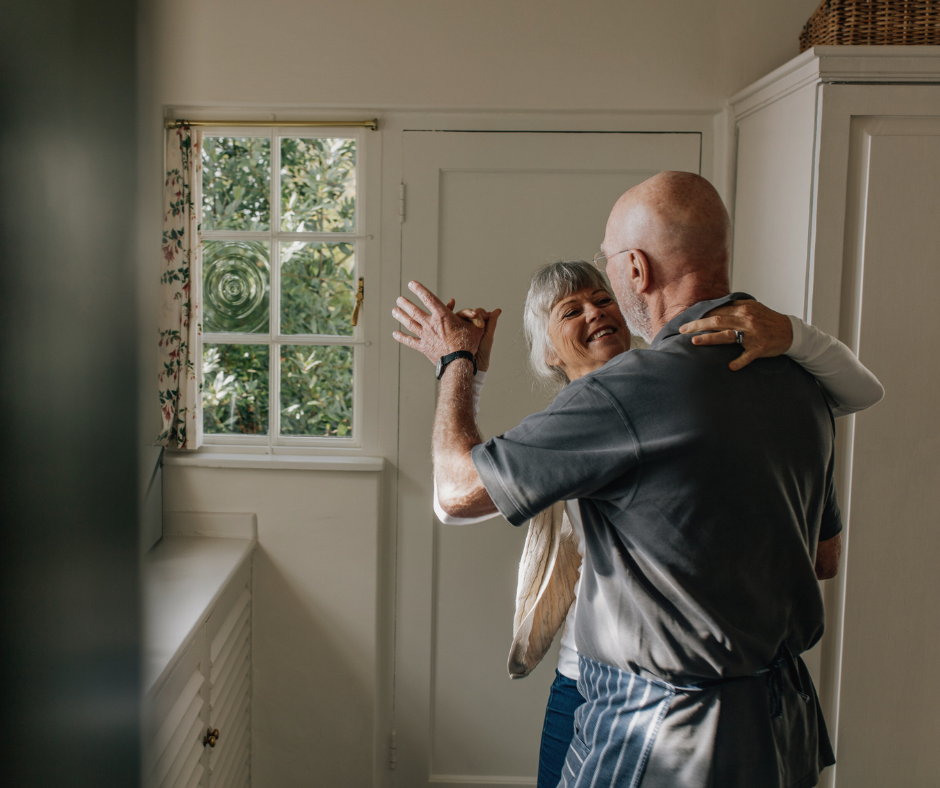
(281, 220)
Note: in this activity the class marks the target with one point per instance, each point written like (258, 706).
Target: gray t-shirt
(703, 494)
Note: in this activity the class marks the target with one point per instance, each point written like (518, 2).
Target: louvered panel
(240, 774)
(229, 771)
(192, 741)
(230, 695)
(173, 720)
(229, 624)
(232, 714)
(242, 777)
(180, 742)
(219, 693)
(235, 637)
(229, 688)
(196, 780)
(190, 767)
(234, 661)
(235, 725)
(240, 715)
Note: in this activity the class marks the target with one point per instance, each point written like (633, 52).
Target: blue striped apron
(616, 727)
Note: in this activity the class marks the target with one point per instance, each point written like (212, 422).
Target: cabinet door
(888, 295)
(483, 211)
(229, 686)
(175, 725)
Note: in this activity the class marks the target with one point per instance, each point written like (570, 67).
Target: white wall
(681, 56)
(510, 54)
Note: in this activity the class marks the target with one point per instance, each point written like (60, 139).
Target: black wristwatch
(443, 361)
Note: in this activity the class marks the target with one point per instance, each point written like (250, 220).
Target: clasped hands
(441, 331)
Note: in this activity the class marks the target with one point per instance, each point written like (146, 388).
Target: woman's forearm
(849, 383)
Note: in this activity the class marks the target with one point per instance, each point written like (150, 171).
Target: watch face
(439, 369)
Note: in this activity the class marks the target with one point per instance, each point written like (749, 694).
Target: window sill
(293, 462)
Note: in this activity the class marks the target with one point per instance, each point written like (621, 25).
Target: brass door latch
(360, 296)
(212, 736)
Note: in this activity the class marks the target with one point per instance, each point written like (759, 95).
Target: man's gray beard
(636, 314)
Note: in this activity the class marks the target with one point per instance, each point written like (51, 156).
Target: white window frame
(274, 442)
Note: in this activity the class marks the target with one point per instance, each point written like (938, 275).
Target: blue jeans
(563, 699)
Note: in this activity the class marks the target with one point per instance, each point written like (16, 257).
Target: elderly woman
(573, 327)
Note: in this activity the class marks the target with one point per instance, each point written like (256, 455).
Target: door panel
(891, 285)
(483, 211)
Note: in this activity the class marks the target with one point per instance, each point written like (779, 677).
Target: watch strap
(445, 360)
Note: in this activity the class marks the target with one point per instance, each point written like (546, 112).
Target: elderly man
(703, 496)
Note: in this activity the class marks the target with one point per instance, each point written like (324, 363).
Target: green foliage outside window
(316, 390)
(318, 185)
(317, 288)
(235, 389)
(236, 183)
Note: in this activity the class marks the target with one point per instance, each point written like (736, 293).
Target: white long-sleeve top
(849, 385)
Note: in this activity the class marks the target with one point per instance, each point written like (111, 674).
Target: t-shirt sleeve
(577, 446)
(832, 515)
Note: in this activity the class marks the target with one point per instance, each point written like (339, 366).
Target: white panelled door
(483, 210)
(889, 689)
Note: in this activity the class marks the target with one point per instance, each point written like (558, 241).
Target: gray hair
(549, 285)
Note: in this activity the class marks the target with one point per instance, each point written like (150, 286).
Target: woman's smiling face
(586, 330)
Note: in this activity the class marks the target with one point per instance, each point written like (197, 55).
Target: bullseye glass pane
(318, 185)
(236, 183)
(318, 288)
(317, 390)
(235, 389)
(235, 287)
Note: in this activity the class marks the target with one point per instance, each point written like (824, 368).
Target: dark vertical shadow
(68, 510)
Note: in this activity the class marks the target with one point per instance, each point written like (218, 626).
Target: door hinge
(392, 750)
(401, 203)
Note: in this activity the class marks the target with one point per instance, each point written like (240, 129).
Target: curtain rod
(368, 124)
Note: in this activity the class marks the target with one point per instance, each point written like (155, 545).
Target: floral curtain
(180, 314)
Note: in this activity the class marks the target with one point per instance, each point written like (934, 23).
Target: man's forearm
(460, 489)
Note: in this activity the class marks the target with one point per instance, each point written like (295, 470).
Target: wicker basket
(873, 22)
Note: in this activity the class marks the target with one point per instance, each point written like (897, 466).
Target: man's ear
(638, 271)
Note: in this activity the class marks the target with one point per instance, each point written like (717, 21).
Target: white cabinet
(837, 218)
(203, 690)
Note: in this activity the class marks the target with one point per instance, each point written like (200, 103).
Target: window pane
(316, 390)
(318, 185)
(318, 288)
(235, 389)
(236, 183)
(235, 286)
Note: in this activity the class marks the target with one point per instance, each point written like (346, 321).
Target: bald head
(677, 219)
(679, 226)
